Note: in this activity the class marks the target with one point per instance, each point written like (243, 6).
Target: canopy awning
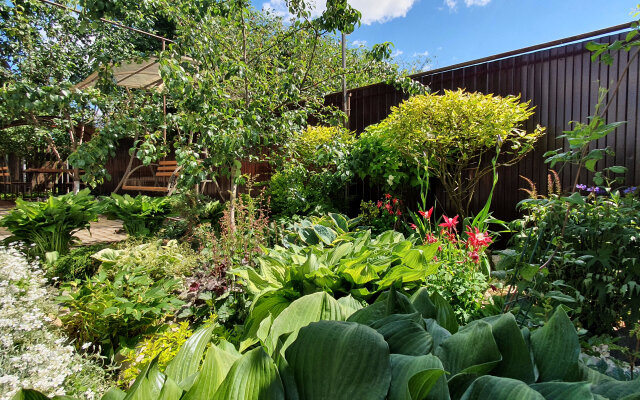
(134, 75)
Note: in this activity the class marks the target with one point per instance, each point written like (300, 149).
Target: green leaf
(310, 308)
(615, 390)
(405, 334)
(308, 236)
(354, 360)
(438, 333)
(564, 390)
(422, 302)
(217, 364)
(472, 349)
(29, 394)
(445, 316)
(555, 347)
(113, 394)
(495, 388)
(327, 235)
(186, 363)
(170, 390)
(415, 377)
(254, 376)
(340, 221)
(516, 360)
(266, 305)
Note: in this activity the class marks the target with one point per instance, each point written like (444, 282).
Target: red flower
(398, 212)
(388, 207)
(387, 196)
(379, 203)
(450, 223)
(474, 256)
(390, 212)
(449, 235)
(413, 226)
(395, 201)
(431, 238)
(435, 258)
(422, 214)
(477, 239)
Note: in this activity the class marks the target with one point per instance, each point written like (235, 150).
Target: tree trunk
(76, 180)
(235, 174)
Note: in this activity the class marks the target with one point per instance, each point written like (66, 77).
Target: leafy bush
(141, 215)
(118, 305)
(33, 352)
(164, 345)
(78, 264)
(456, 135)
(382, 215)
(397, 348)
(311, 172)
(50, 225)
(598, 254)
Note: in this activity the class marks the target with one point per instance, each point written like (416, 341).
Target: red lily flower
(450, 223)
(413, 226)
(379, 203)
(387, 196)
(395, 201)
(426, 214)
(477, 239)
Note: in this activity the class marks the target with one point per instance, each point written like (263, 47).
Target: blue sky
(454, 31)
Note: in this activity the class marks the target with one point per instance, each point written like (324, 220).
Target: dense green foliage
(140, 215)
(50, 225)
(396, 348)
(78, 264)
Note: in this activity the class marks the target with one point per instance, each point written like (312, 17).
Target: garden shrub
(50, 225)
(33, 352)
(311, 172)
(141, 216)
(382, 215)
(598, 254)
(78, 264)
(456, 135)
(126, 298)
(397, 348)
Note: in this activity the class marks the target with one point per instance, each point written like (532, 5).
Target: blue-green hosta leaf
(405, 334)
(386, 304)
(516, 360)
(423, 303)
(555, 347)
(617, 390)
(327, 235)
(494, 388)
(354, 360)
(310, 308)
(308, 236)
(340, 221)
(564, 390)
(438, 333)
(419, 377)
(470, 352)
(253, 376)
(185, 364)
(445, 316)
(215, 368)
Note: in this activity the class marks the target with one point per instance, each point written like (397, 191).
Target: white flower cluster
(33, 353)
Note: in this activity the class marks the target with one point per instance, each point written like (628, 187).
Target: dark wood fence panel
(561, 82)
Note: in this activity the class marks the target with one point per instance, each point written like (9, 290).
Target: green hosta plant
(324, 229)
(395, 349)
(49, 225)
(140, 215)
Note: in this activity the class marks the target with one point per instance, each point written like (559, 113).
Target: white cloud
(372, 10)
(397, 53)
(359, 43)
(453, 4)
(423, 54)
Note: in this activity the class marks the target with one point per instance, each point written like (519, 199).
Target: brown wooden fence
(561, 82)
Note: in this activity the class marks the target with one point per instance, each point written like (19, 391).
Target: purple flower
(630, 190)
(596, 190)
(581, 187)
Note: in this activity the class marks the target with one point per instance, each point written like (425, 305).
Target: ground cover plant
(34, 352)
(396, 348)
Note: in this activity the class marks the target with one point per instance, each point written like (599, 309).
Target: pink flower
(398, 212)
(379, 203)
(413, 226)
(422, 214)
(390, 212)
(388, 207)
(431, 238)
(435, 258)
(387, 196)
(450, 223)
(395, 201)
(474, 256)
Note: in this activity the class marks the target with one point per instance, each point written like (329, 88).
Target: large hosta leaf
(217, 364)
(340, 361)
(310, 308)
(388, 303)
(495, 388)
(28, 394)
(417, 378)
(183, 367)
(254, 376)
(516, 360)
(555, 347)
(564, 390)
(438, 333)
(615, 390)
(405, 334)
(445, 316)
(266, 305)
(422, 302)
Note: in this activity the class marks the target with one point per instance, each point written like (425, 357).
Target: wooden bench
(166, 169)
